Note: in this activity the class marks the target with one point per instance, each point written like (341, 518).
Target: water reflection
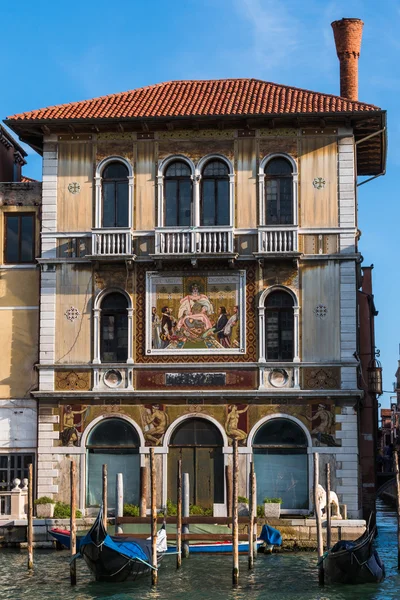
(276, 577)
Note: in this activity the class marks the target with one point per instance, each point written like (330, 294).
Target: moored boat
(354, 562)
(114, 558)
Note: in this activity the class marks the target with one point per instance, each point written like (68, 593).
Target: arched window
(281, 463)
(279, 192)
(178, 195)
(113, 442)
(199, 444)
(215, 194)
(279, 326)
(114, 328)
(115, 192)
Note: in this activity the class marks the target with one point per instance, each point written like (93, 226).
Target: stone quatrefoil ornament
(319, 183)
(74, 187)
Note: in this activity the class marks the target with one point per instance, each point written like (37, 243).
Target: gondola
(354, 562)
(115, 558)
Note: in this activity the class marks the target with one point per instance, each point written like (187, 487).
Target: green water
(275, 577)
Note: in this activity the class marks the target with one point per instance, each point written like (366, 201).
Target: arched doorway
(113, 442)
(199, 444)
(281, 463)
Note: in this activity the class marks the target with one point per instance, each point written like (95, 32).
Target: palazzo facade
(199, 272)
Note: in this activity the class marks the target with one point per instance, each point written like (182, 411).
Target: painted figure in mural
(232, 422)
(220, 326)
(156, 423)
(188, 303)
(322, 431)
(167, 326)
(69, 434)
(156, 328)
(232, 322)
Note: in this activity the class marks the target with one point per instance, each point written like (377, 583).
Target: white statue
(333, 501)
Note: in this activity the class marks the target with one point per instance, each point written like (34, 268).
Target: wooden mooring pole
(228, 479)
(143, 491)
(328, 507)
(153, 486)
(318, 519)
(179, 516)
(235, 519)
(251, 515)
(72, 523)
(397, 475)
(185, 511)
(30, 517)
(119, 501)
(104, 497)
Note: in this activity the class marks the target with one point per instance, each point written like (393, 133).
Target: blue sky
(61, 52)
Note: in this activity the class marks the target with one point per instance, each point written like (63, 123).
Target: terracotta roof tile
(200, 98)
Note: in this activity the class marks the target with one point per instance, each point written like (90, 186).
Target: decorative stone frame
(261, 323)
(151, 275)
(261, 187)
(196, 175)
(99, 191)
(96, 323)
(310, 451)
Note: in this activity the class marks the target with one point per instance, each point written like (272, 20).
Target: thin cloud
(273, 31)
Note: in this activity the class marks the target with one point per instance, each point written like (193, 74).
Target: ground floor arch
(114, 442)
(199, 444)
(281, 462)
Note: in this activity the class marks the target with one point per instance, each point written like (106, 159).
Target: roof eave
(28, 129)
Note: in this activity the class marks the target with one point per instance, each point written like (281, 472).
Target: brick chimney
(348, 34)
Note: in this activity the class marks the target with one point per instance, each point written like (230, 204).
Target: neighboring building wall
(12, 157)
(19, 332)
(368, 411)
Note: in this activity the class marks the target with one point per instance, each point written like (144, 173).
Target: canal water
(278, 577)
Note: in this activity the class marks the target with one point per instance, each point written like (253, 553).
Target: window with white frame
(278, 190)
(200, 196)
(178, 195)
(114, 193)
(215, 208)
(113, 327)
(278, 313)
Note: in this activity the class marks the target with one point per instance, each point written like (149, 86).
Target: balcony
(112, 244)
(278, 242)
(194, 242)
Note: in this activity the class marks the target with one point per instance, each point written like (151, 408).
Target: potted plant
(243, 506)
(272, 507)
(44, 507)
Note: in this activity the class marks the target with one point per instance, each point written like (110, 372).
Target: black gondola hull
(355, 565)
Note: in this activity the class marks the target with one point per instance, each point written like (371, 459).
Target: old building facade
(20, 200)
(199, 268)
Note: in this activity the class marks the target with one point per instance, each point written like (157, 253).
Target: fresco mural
(195, 314)
(236, 419)
(72, 419)
(154, 423)
(322, 425)
(236, 422)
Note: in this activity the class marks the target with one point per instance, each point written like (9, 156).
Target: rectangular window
(13, 466)
(19, 238)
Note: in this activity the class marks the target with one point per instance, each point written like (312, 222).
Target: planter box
(243, 509)
(272, 510)
(44, 511)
